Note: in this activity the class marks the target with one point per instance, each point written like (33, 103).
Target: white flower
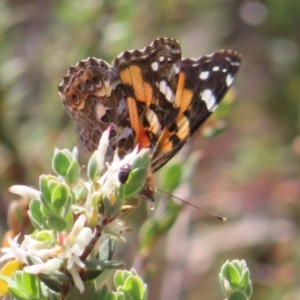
(110, 179)
(77, 280)
(14, 251)
(77, 227)
(31, 243)
(25, 191)
(50, 265)
(74, 246)
(103, 146)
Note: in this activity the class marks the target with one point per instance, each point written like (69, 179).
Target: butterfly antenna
(195, 206)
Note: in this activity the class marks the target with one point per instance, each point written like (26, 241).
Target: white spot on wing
(124, 133)
(153, 121)
(161, 58)
(166, 90)
(100, 110)
(204, 75)
(163, 86)
(169, 94)
(210, 100)
(122, 106)
(229, 80)
(155, 66)
(216, 68)
(183, 127)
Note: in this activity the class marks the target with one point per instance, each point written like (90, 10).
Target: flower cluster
(76, 221)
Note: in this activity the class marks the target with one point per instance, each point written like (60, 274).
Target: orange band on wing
(142, 90)
(180, 88)
(140, 132)
(183, 96)
(164, 142)
(134, 116)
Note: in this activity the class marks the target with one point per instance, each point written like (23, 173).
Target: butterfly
(151, 97)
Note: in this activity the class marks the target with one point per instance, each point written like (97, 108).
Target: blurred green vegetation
(250, 173)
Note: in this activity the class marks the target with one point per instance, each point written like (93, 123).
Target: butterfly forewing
(149, 77)
(201, 86)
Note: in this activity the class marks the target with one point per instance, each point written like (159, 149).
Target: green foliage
(24, 286)
(128, 285)
(235, 280)
(70, 216)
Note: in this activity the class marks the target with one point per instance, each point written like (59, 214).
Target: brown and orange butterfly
(150, 97)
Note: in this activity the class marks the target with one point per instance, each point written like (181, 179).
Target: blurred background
(249, 173)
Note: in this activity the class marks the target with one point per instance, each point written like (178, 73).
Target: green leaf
(133, 272)
(47, 209)
(137, 177)
(18, 278)
(60, 195)
(73, 172)
(152, 229)
(31, 285)
(120, 295)
(93, 168)
(52, 184)
(52, 282)
(101, 293)
(171, 177)
(118, 279)
(135, 286)
(44, 187)
(108, 248)
(56, 223)
(61, 162)
(134, 184)
(244, 280)
(237, 295)
(229, 272)
(111, 296)
(100, 265)
(239, 265)
(67, 152)
(69, 219)
(17, 293)
(96, 267)
(34, 213)
(10, 282)
(80, 192)
(234, 277)
(125, 275)
(127, 294)
(106, 205)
